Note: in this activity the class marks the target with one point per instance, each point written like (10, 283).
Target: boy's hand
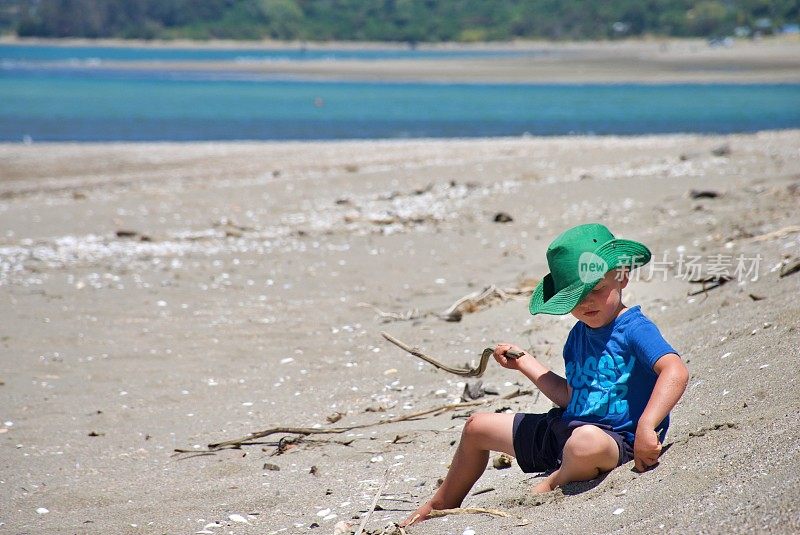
(506, 362)
(646, 448)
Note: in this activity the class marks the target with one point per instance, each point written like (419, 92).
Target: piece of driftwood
(475, 301)
(709, 283)
(780, 233)
(436, 513)
(472, 302)
(436, 411)
(792, 267)
(365, 519)
(410, 314)
(463, 372)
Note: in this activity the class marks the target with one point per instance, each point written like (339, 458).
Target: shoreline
(399, 142)
(647, 61)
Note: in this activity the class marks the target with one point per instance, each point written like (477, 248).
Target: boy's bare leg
(588, 452)
(482, 433)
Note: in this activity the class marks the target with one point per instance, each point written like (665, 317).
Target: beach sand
(165, 296)
(773, 60)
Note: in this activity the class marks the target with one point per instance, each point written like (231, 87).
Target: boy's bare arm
(672, 379)
(549, 383)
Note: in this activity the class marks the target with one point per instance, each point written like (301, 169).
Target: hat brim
(616, 253)
(546, 301)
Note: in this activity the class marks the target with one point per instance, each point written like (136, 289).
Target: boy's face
(604, 302)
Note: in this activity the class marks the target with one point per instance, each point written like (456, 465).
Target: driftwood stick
(435, 411)
(793, 266)
(463, 372)
(475, 297)
(712, 282)
(405, 316)
(372, 507)
(776, 234)
(249, 440)
(467, 511)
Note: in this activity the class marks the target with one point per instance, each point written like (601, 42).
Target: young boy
(622, 378)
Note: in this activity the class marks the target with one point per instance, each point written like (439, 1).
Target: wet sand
(164, 296)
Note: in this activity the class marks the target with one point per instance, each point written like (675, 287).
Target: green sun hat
(578, 259)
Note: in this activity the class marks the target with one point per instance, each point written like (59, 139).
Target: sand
(245, 301)
(774, 60)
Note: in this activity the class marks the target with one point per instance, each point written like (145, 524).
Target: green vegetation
(393, 20)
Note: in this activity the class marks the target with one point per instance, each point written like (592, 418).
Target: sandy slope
(243, 309)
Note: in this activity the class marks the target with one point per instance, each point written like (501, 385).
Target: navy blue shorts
(539, 440)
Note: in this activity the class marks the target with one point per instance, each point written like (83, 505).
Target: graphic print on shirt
(599, 386)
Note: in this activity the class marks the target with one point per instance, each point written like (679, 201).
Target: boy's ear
(622, 277)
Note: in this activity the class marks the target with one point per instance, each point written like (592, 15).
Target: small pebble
(618, 511)
(238, 518)
(42, 511)
(342, 528)
(469, 531)
(324, 512)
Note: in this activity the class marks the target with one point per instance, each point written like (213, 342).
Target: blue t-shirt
(610, 370)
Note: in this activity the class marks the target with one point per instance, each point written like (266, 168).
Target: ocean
(64, 94)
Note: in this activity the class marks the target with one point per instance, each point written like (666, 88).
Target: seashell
(502, 461)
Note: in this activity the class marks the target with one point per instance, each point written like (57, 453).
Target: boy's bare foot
(418, 516)
(547, 484)
(542, 487)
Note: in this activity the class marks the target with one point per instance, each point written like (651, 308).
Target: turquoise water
(73, 103)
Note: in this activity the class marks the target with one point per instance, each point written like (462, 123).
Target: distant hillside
(395, 20)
